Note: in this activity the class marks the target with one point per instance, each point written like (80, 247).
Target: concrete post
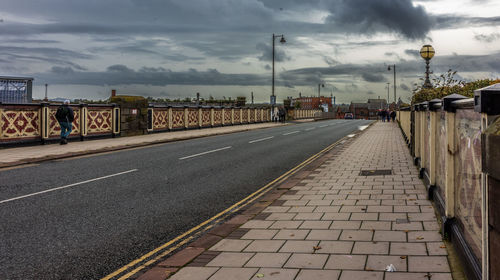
(487, 102)
(417, 134)
(170, 121)
(450, 156)
(44, 119)
(434, 106)
(186, 117)
(212, 116)
(200, 117)
(423, 141)
(83, 120)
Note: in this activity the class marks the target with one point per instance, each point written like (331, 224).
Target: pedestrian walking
(388, 115)
(65, 117)
(393, 116)
(383, 115)
(282, 114)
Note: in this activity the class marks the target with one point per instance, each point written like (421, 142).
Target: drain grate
(375, 172)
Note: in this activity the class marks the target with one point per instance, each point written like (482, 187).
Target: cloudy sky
(175, 48)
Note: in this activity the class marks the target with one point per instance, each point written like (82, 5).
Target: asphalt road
(110, 209)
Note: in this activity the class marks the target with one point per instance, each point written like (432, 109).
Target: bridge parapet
(449, 141)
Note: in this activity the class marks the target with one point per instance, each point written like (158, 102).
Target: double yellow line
(163, 250)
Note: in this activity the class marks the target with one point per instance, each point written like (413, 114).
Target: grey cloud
(370, 92)
(279, 53)
(119, 68)
(404, 87)
(46, 52)
(487, 38)
(454, 21)
(330, 61)
(373, 78)
(414, 53)
(62, 70)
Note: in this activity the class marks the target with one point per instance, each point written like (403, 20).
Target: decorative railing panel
(19, 123)
(206, 117)
(99, 121)
(193, 115)
(244, 115)
(252, 115)
(237, 118)
(160, 119)
(178, 118)
(217, 117)
(227, 116)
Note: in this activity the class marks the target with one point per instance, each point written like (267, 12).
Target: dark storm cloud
(368, 16)
(373, 78)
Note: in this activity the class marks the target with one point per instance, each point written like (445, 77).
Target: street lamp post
(427, 52)
(273, 97)
(389, 69)
(388, 88)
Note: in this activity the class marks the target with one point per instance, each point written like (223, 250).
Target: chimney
(113, 92)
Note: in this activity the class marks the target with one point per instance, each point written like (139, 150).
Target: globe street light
(389, 69)
(273, 97)
(427, 52)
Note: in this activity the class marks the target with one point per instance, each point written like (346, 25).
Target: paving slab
(335, 223)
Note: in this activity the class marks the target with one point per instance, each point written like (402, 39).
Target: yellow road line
(158, 249)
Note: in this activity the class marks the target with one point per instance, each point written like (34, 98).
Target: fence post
(186, 117)
(212, 116)
(417, 120)
(423, 125)
(45, 121)
(200, 117)
(150, 119)
(170, 121)
(83, 121)
(116, 120)
(434, 105)
(487, 102)
(450, 160)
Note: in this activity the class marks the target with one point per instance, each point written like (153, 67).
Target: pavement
(329, 221)
(22, 155)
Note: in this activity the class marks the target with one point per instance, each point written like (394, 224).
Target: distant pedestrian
(383, 115)
(393, 116)
(282, 114)
(388, 115)
(65, 117)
